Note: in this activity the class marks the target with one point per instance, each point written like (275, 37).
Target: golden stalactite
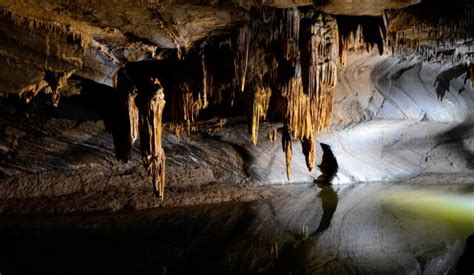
(191, 106)
(38, 25)
(133, 115)
(309, 111)
(408, 34)
(241, 61)
(205, 82)
(151, 103)
(350, 42)
(323, 69)
(272, 135)
(30, 91)
(176, 129)
(291, 31)
(53, 83)
(260, 104)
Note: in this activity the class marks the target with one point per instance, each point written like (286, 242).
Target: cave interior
(237, 137)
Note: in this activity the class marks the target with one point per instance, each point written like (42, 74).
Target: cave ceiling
(182, 61)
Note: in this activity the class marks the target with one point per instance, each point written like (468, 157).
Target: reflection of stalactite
(151, 102)
(260, 104)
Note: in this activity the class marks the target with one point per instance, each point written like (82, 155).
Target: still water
(358, 229)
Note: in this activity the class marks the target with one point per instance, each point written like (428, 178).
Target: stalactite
(309, 151)
(323, 70)
(260, 104)
(241, 59)
(42, 26)
(310, 89)
(56, 82)
(205, 88)
(29, 92)
(440, 32)
(291, 31)
(127, 128)
(141, 102)
(133, 115)
(52, 83)
(272, 135)
(151, 102)
(192, 104)
(288, 149)
(359, 34)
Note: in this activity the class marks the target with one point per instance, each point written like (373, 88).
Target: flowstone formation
(275, 62)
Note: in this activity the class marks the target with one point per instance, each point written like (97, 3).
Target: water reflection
(329, 200)
(368, 234)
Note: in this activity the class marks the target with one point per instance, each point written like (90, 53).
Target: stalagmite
(151, 102)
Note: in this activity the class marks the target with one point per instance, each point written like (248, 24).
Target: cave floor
(371, 228)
